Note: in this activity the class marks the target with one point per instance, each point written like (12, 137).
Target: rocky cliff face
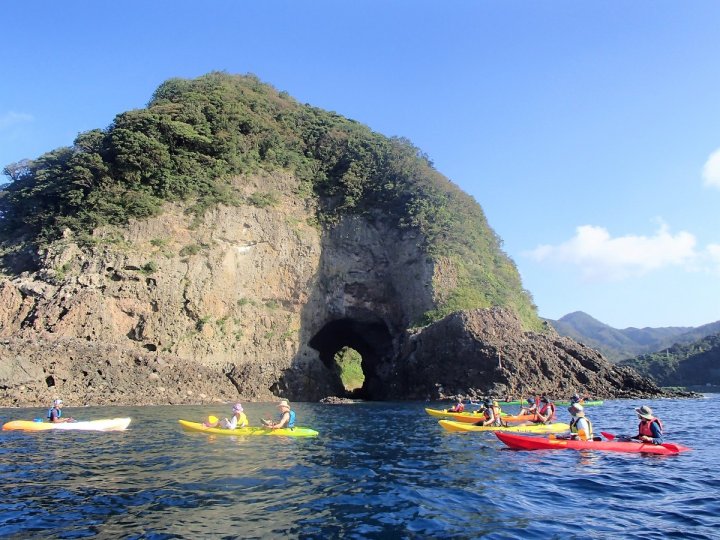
(258, 295)
(253, 303)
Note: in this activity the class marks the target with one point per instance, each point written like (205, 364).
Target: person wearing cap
(491, 414)
(480, 406)
(237, 420)
(530, 408)
(546, 413)
(580, 425)
(287, 417)
(650, 429)
(576, 399)
(54, 414)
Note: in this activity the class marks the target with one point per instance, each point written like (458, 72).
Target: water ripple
(376, 471)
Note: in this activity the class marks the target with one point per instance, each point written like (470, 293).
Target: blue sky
(589, 132)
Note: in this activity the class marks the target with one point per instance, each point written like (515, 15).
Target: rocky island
(226, 242)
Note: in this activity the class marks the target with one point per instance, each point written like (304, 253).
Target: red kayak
(529, 442)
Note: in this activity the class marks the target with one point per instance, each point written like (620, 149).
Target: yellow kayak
(292, 432)
(441, 413)
(476, 417)
(108, 424)
(557, 427)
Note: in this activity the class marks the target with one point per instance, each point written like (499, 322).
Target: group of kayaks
(525, 435)
(120, 424)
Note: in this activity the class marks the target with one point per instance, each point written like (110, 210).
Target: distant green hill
(630, 342)
(197, 138)
(695, 365)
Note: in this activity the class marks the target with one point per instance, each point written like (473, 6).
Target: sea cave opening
(356, 352)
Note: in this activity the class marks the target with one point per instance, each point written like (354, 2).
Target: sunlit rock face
(254, 303)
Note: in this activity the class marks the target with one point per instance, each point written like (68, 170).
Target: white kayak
(107, 424)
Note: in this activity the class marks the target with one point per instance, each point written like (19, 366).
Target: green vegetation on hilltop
(196, 136)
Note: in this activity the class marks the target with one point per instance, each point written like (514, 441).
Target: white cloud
(12, 118)
(711, 170)
(713, 254)
(599, 257)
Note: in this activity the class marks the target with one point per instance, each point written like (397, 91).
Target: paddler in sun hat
(238, 419)
(580, 425)
(287, 417)
(650, 428)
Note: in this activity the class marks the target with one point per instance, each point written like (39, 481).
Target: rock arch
(371, 338)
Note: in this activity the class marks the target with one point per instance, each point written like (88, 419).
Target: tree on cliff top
(195, 136)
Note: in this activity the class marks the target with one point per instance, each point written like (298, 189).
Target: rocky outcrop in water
(486, 352)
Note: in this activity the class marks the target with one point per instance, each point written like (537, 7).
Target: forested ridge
(696, 364)
(196, 136)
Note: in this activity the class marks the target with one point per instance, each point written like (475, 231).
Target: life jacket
(645, 429)
(291, 420)
(574, 429)
(544, 410)
(497, 421)
(460, 407)
(58, 413)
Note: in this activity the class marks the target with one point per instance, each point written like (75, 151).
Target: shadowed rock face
(486, 352)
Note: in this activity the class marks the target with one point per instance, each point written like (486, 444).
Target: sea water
(377, 470)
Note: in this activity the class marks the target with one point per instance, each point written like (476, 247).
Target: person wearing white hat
(237, 420)
(580, 425)
(54, 414)
(650, 429)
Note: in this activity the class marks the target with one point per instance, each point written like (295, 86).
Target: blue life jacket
(51, 409)
(291, 420)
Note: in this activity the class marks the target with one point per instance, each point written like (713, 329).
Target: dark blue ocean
(377, 470)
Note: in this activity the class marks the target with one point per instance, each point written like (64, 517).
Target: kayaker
(650, 429)
(491, 415)
(237, 420)
(580, 426)
(458, 407)
(530, 408)
(55, 413)
(287, 417)
(576, 399)
(480, 406)
(546, 413)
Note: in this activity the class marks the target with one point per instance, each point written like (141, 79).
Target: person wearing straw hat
(650, 429)
(287, 417)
